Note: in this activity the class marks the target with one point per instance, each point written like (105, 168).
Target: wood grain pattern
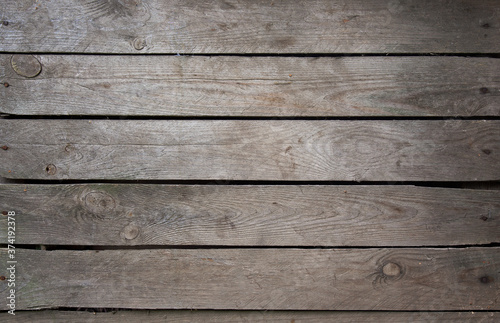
(250, 86)
(288, 279)
(183, 316)
(383, 150)
(253, 215)
(245, 26)
(224, 248)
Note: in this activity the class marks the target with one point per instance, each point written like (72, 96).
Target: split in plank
(184, 316)
(247, 26)
(305, 150)
(234, 215)
(259, 279)
(249, 86)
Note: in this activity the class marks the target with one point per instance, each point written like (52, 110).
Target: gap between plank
(104, 309)
(208, 247)
(490, 55)
(492, 185)
(354, 118)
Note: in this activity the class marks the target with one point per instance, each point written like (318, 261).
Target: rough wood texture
(249, 86)
(117, 214)
(291, 279)
(183, 316)
(432, 150)
(246, 26)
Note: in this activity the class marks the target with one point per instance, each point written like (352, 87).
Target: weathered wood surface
(246, 26)
(249, 86)
(383, 150)
(184, 316)
(118, 214)
(288, 279)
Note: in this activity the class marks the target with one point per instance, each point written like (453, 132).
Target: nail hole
(5, 23)
(484, 90)
(5, 147)
(6, 84)
(5, 212)
(486, 25)
(486, 279)
(487, 151)
(484, 218)
(2, 278)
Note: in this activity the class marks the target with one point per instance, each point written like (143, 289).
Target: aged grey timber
(246, 26)
(203, 316)
(291, 279)
(250, 215)
(382, 150)
(249, 86)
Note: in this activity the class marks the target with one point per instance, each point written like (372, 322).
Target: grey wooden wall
(239, 160)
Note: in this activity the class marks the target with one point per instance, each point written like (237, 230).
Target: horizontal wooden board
(259, 279)
(249, 86)
(382, 150)
(183, 316)
(254, 215)
(246, 26)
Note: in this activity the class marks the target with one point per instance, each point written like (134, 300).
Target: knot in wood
(26, 65)
(51, 169)
(130, 232)
(99, 203)
(139, 43)
(391, 269)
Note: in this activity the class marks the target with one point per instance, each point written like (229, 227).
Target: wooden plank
(256, 215)
(246, 26)
(286, 279)
(383, 150)
(249, 86)
(183, 316)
